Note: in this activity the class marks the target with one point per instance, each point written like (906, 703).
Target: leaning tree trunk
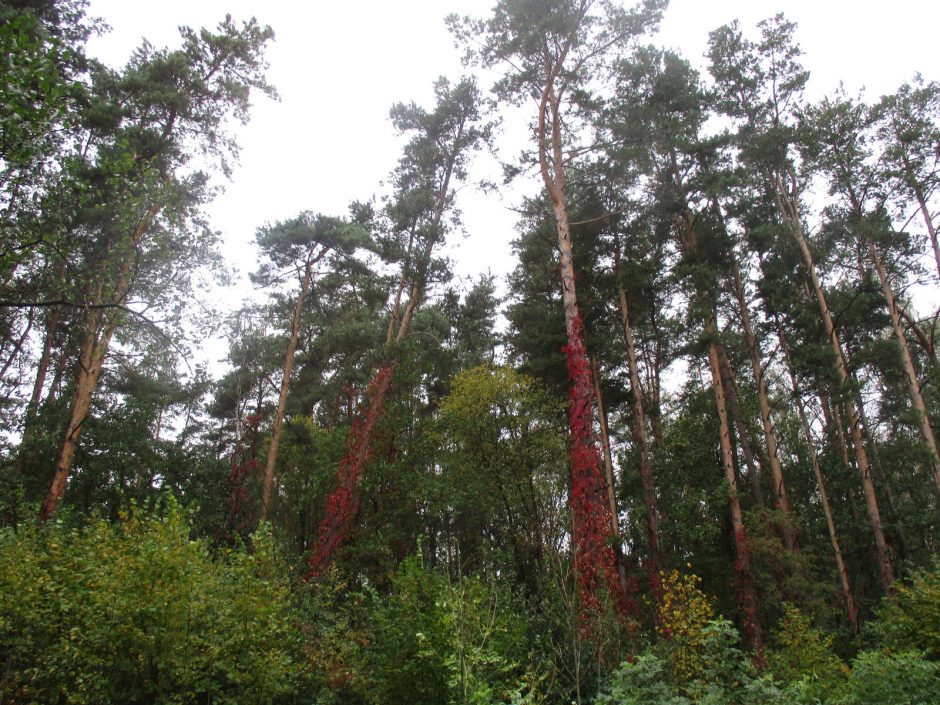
(609, 474)
(727, 378)
(744, 576)
(268, 485)
(851, 609)
(789, 211)
(913, 384)
(101, 321)
(742, 565)
(342, 505)
(781, 500)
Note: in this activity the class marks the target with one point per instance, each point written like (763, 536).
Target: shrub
(445, 641)
(726, 676)
(904, 678)
(684, 612)
(804, 656)
(136, 612)
(911, 622)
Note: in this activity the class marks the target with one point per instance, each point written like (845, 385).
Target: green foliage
(445, 641)
(727, 677)
(893, 679)
(503, 464)
(138, 613)
(336, 619)
(912, 620)
(804, 654)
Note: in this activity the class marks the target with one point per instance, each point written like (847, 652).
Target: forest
(685, 455)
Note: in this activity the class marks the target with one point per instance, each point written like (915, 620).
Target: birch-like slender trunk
(305, 285)
(913, 383)
(742, 565)
(747, 591)
(609, 473)
(744, 439)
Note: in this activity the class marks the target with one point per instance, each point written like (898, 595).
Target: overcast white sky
(339, 66)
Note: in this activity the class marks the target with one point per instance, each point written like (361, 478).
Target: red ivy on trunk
(342, 505)
(595, 559)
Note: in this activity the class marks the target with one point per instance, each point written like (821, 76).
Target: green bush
(911, 622)
(803, 656)
(439, 640)
(727, 676)
(136, 612)
(904, 678)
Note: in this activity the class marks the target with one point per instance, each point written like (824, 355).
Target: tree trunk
(18, 345)
(42, 369)
(781, 500)
(742, 565)
(609, 474)
(790, 213)
(928, 221)
(744, 576)
(640, 436)
(94, 351)
(595, 561)
(343, 503)
(882, 478)
(727, 378)
(913, 384)
(285, 386)
(851, 609)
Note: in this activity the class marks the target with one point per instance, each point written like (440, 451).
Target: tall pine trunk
(789, 211)
(781, 499)
(747, 450)
(848, 596)
(609, 474)
(913, 383)
(742, 565)
(342, 504)
(744, 576)
(640, 436)
(595, 561)
(285, 386)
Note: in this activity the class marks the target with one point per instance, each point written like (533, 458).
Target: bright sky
(340, 65)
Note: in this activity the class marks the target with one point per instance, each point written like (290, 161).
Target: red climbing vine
(244, 465)
(743, 584)
(595, 559)
(343, 503)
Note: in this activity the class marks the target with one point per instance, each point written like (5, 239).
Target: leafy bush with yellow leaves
(683, 614)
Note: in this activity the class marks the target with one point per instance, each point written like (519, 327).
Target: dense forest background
(690, 457)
